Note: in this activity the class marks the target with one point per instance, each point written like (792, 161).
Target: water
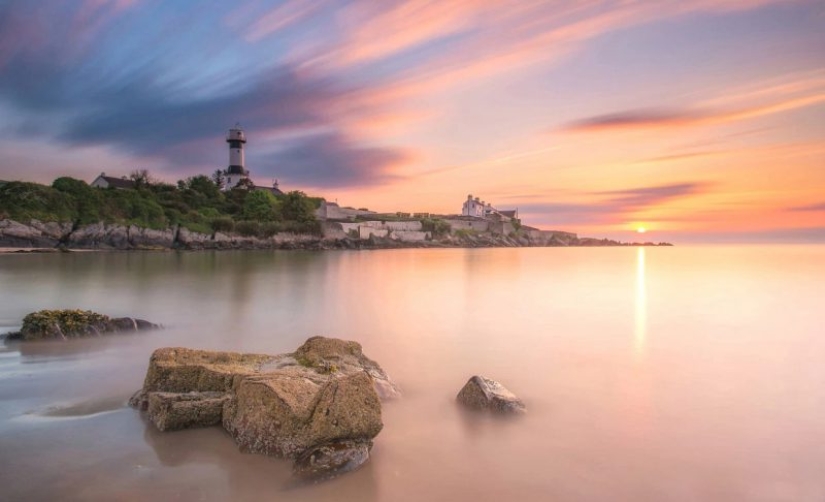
(686, 373)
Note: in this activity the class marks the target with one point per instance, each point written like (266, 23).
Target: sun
(641, 230)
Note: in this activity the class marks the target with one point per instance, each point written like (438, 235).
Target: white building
(236, 172)
(237, 169)
(480, 209)
(474, 207)
(104, 181)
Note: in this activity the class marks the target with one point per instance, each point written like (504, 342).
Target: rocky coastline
(45, 236)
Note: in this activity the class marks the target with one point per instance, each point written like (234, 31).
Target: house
(104, 181)
(477, 208)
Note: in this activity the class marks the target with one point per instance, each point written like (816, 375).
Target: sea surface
(650, 374)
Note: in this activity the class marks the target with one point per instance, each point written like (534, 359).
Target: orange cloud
(487, 37)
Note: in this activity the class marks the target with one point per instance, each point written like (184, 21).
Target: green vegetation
(436, 226)
(62, 324)
(196, 203)
(466, 232)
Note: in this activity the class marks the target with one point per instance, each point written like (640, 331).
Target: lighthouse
(237, 169)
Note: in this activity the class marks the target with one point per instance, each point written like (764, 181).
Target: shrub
(259, 205)
(223, 224)
(24, 201)
(248, 228)
(436, 226)
(270, 228)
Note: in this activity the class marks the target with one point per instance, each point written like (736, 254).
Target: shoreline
(50, 237)
(321, 246)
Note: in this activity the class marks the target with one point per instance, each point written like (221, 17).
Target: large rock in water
(481, 393)
(319, 405)
(63, 324)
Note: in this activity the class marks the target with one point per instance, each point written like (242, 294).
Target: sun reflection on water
(640, 325)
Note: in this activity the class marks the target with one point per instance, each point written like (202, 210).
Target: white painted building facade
(479, 209)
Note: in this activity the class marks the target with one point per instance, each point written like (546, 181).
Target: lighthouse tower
(237, 169)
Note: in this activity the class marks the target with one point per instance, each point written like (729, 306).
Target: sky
(700, 121)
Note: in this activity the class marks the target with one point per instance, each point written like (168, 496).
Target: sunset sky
(699, 120)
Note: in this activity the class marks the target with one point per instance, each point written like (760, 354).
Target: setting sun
(641, 230)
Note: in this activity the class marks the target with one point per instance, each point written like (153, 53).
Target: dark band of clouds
(616, 206)
(79, 101)
(635, 119)
(331, 160)
(811, 207)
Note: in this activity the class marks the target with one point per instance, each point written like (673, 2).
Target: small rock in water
(64, 324)
(481, 393)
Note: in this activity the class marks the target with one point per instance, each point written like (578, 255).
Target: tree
(219, 178)
(244, 184)
(203, 185)
(141, 177)
(259, 205)
(296, 206)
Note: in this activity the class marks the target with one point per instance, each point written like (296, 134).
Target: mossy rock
(64, 324)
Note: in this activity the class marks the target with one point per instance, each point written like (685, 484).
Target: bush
(436, 226)
(248, 228)
(223, 224)
(306, 227)
(296, 206)
(23, 201)
(196, 203)
(260, 205)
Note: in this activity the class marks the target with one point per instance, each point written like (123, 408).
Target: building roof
(509, 213)
(117, 182)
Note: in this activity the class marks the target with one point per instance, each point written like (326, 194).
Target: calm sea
(658, 374)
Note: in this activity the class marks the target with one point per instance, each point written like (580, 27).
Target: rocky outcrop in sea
(320, 405)
(64, 324)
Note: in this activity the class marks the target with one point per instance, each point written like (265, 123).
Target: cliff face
(33, 234)
(367, 235)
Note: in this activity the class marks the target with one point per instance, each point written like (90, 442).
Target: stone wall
(332, 211)
(477, 225)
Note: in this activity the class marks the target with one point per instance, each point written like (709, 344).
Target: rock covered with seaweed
(64, 324)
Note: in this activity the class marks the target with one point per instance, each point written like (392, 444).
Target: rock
(332, 354)
(148, 238)
(63, 324)
(187, 370)
(319, 405)
(331, 459)
(481, 393)
(34, 234)
(172, 411)
(289, 411)
(99, 236)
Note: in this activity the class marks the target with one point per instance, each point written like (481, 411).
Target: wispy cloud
(283, 16)
(771, 98)
(613, 206)
(161, 81)
(809, 207)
